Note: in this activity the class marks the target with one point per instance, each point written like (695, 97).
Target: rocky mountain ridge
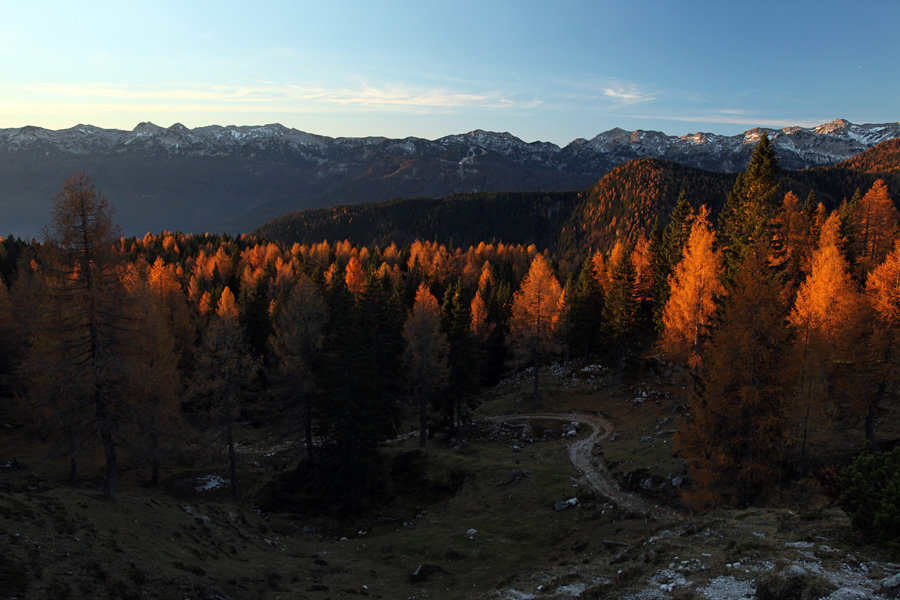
(798, 147)
(234, 178)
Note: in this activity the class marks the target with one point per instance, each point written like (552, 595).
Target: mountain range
(236, 178)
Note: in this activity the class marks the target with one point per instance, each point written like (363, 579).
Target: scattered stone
(471, 531)
(564, 504)
(847, 594)
(890, 583)
(425, 572)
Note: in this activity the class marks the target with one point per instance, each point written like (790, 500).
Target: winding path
(595, 471)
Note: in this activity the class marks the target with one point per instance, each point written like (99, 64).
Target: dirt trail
(595, 471)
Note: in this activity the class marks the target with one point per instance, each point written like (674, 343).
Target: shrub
(870, 495)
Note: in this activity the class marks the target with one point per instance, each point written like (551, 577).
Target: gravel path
(594, 470)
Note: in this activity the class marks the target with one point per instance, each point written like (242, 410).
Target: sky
(542, 71)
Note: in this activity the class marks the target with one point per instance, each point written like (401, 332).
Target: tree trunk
(537, 371)
(112, 472)
(308, 425)
(232, 463)
(423, 418)
(73, 470)
(154, 460)
(870, 417)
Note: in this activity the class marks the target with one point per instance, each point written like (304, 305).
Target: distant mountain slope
(464, 219)
(629, 198)
(883, 158)
(624, 202)
(235, 178)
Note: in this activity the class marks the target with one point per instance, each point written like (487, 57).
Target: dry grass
(59, 541)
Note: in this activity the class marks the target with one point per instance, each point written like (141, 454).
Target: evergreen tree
(225, 376)
(620, 309)
(456, 317)
(666, 253)
(749, 208)
(584, 304)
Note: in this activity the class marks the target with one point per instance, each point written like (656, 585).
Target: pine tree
(749, 208)
(667, 252)
(456, 321)
(585, 305)
(620, 308)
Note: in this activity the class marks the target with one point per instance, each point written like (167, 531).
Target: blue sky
(550, 71)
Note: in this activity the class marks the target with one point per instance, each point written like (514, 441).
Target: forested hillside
(774, 314)
(624, 203)
(463, 219)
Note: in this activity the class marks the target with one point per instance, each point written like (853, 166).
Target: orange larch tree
(826, 316)
(355, 277)
(882, 369)
(535, 316)
(733, 440)
(693, 287)
(874, 223)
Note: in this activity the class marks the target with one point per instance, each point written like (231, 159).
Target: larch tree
(297, 342)
(874, 222)
(225, 373)
(826, 316)
(882, 368)
(733, 439)
(156, 402)
(77, 366)
(535, 317)
(355, 276)
(694, 286)
(426, 357)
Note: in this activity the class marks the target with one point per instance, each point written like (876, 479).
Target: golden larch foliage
(227, 307)
(355, 277)
(694, 285)
(874, 222)
(535, 318)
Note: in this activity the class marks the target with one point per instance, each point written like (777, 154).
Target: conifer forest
(379, 378)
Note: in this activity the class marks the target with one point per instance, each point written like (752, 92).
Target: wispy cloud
(627, 94)
(266, 95)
